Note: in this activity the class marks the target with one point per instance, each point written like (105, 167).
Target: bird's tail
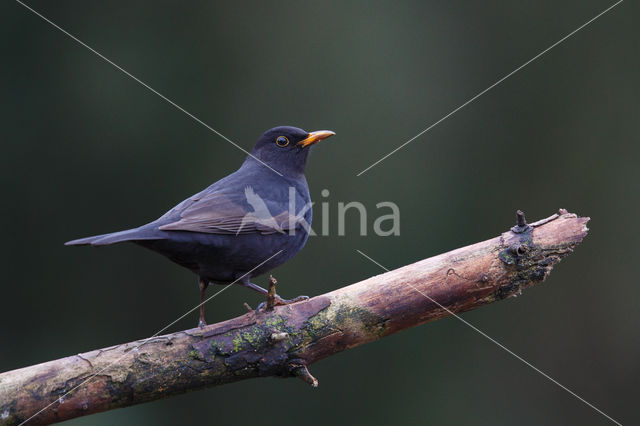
(136, 234)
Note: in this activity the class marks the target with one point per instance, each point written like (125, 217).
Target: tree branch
(285, 341)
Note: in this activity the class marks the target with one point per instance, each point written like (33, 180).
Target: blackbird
(243, 225)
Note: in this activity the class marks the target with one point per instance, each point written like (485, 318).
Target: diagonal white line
(92, 376)
(145, 85)
(500, 345)
(491, 87)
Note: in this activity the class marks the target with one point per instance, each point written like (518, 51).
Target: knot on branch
(531, 263)
(522, 241)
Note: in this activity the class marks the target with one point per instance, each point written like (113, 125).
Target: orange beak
(315, 137)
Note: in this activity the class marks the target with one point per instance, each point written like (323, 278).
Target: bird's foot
(279, 301)
(273, 299)
(202, 323)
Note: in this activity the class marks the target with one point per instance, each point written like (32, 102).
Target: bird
(242, 226)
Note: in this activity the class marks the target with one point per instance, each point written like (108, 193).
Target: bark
(284, 341)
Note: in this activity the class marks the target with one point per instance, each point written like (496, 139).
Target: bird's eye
(282, 141)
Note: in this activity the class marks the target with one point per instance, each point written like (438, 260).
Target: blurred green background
(87, 150)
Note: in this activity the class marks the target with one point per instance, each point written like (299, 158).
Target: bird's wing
(259, 206)
(231, 212)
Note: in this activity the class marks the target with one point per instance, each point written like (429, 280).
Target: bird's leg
(252, 286)
(203, 283)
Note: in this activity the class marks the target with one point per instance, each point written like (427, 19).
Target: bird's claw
(201, 323)
(279, 301)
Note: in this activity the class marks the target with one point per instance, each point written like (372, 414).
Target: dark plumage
(226, 231)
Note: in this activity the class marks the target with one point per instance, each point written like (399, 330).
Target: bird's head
(286, 148)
